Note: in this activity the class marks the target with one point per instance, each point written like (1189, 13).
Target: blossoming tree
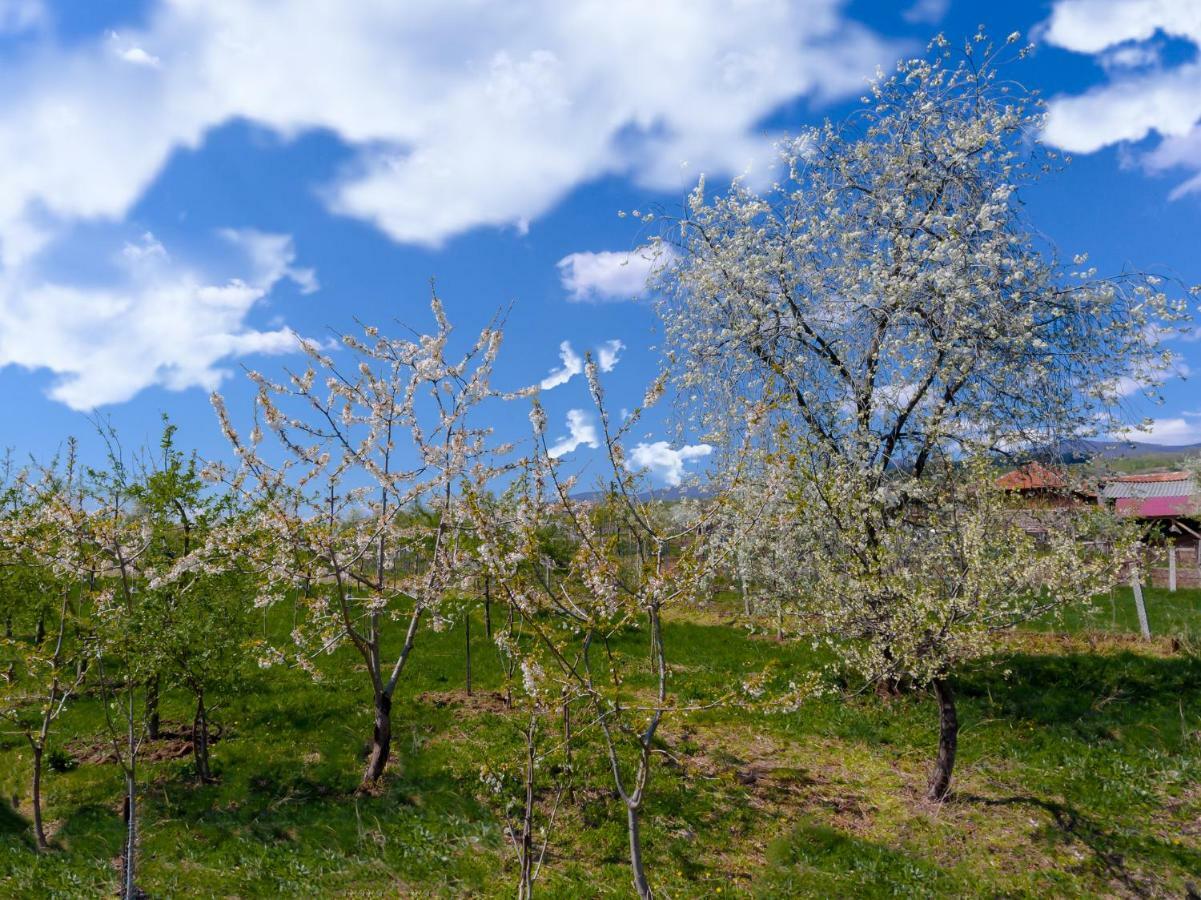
(886, 308)
(632, 561)
(45, 643)
(361, 521)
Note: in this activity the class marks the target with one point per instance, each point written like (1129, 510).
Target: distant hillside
(1128, 456)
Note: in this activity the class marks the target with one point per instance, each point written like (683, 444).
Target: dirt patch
(477, 702)
(174, 742)
(1091, 641)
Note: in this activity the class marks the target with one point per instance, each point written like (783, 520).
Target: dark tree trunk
(381, 741)
(467, 629)
(200, 742)
(948, 741)
(153, 724)
(39, 831)
(510, 664)
(40, 634)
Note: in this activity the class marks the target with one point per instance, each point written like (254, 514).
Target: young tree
(194, 610)
(362, 520)
(632, 561)
(114, 542)
(42, 653)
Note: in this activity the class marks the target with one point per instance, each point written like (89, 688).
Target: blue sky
(185, 182)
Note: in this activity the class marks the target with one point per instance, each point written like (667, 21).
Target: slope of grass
(1079, 775)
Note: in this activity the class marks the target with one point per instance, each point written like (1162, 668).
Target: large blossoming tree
(886, 309)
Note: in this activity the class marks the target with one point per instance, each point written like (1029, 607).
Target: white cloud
(1141, 96)
(459, 115)
(608, 354)
(606, 275)
(139, 57)
(272, 256)
(1155, 376)
(573, 365)
(663, 462)
(926, 12)
(1130, 56)
(158, 323)
(581, 431)
(1185, 429)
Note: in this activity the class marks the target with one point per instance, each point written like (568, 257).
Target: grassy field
(1079, 775)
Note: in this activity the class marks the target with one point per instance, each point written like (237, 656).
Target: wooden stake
(1138, 604)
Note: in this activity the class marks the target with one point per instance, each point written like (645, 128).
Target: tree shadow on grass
(12, 822)
(818, 860)
(1110, 849)
(1081, 688)
(94, 830)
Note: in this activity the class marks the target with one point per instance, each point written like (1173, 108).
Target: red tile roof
(1032, 477)
(1152, 477)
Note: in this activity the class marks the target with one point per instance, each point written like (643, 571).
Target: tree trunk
(948, 741)
(152, 717)
(487, 608)
(567, 746)
(39, 832)
(200, 742)
(467, 629)
(130, 891)
(381, 741)
(634, 825)
(39, 634)
(525, 888)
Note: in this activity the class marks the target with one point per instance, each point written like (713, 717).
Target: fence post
(1172, 568)
(1137, 586)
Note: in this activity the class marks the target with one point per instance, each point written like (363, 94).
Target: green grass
(1079, 775)
(1168, 613)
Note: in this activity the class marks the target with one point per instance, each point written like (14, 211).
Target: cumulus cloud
(607, 275)
(572, 365)
(1184, 429)
(272, 256)
(159, 322)
(1141, 96)
(663, 462)
(581, 431)
(608, 354)
(458, 115)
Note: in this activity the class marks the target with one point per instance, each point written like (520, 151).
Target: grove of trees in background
(860, 342)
